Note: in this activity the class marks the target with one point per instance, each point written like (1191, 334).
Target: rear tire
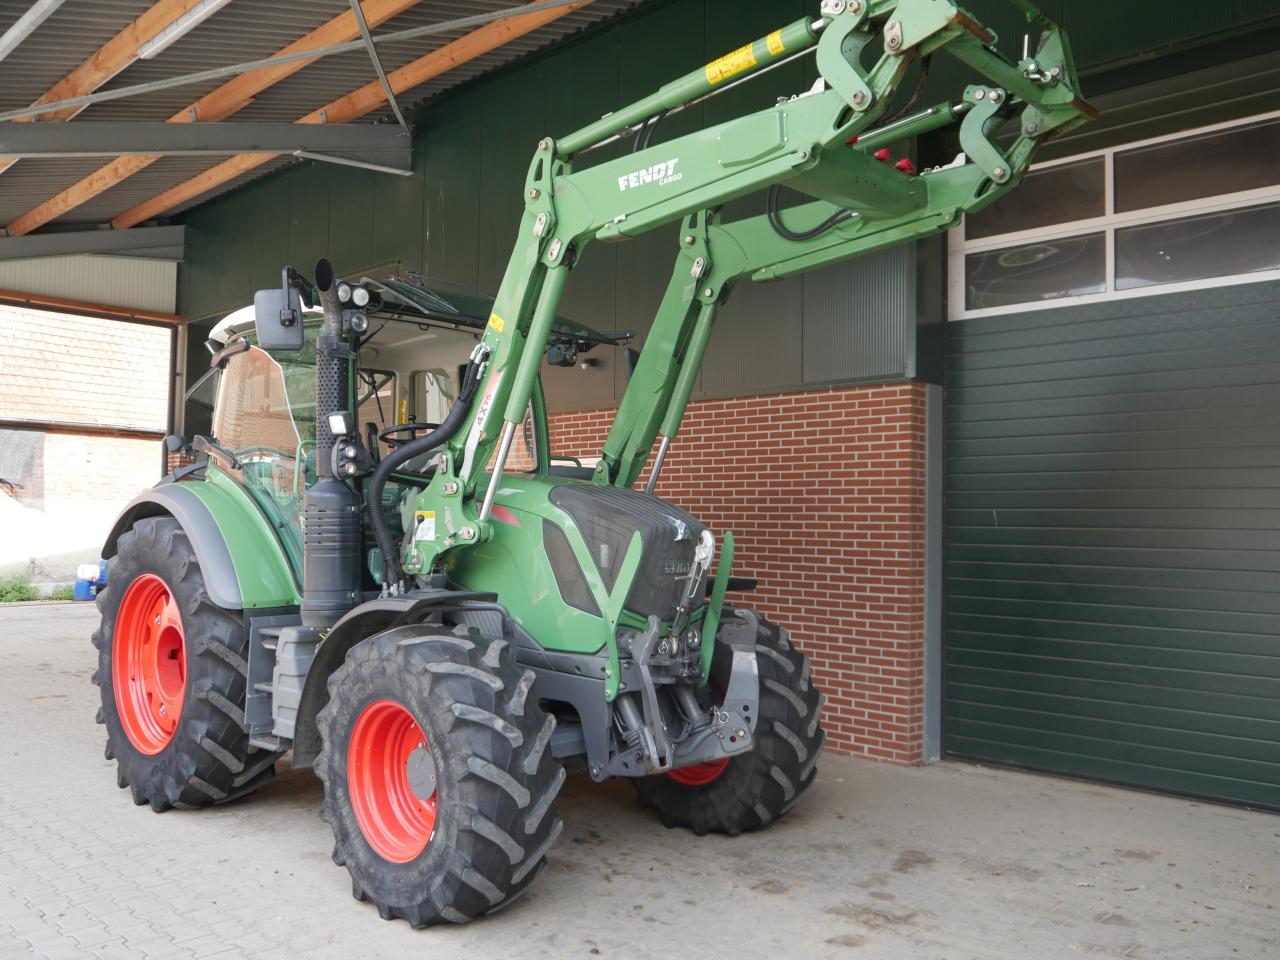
(752, 790)
(172, 675)
(480, 839)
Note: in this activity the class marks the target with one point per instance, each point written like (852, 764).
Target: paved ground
(949, 861)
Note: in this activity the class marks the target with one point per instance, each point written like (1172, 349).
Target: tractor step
(264, 635)
(296, 648)
(269, 742)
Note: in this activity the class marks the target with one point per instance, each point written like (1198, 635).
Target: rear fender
(241, 560)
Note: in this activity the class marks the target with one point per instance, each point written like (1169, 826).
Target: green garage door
(1113, 541)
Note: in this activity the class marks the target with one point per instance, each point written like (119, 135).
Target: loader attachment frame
(821, 143)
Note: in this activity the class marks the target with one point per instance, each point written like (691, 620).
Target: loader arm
(820, 143)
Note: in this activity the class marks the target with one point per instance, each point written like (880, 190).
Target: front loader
(406, 589)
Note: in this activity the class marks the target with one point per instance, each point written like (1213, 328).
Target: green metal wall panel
(1113, 541)
(454, 221)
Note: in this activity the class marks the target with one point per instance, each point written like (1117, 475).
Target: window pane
(1193, 248)
(1073, 191)
(1227, 161)
(1047, 270)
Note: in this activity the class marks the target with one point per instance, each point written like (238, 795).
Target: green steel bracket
(923, 27)
(443, 519)
(977, 128)
(711, 621)
(839, 49)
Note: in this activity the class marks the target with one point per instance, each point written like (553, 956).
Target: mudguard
(246, 569)
(356, 624)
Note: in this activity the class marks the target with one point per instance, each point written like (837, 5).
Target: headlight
(344, 293)
(359, 322)
(360, 297)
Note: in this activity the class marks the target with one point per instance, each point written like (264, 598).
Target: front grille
(607, 518)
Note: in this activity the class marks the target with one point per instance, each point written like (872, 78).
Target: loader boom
(821, 143)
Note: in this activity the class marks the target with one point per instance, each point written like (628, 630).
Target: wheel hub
(420, 769)
(391, 779)
(148, 664)
(700, 774)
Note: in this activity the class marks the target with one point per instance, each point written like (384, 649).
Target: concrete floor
(949, 861)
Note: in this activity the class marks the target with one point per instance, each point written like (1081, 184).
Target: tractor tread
(486, 718)
(490, 744)
(540, 744)
(209, 759)
(760, 786)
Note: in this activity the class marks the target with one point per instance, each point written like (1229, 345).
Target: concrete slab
(949, 861)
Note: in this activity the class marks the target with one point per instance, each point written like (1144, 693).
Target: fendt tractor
(434, 612)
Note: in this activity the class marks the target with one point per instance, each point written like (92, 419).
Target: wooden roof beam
(234, 95)
(355, 105)
(105, 62)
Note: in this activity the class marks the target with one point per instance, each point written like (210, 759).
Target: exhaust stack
(330, 521)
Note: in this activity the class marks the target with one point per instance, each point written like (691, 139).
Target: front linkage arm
(803, 143)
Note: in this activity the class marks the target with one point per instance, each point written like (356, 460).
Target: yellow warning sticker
(774, 40)
(496, 323)
(725, 67)
(426, 525)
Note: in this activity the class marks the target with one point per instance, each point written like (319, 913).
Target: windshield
(265, 417)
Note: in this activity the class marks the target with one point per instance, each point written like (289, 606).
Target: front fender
(372, 616)
(242, 561)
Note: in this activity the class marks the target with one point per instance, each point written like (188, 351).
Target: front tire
(172, 672)
(751, 790)
(438, 774)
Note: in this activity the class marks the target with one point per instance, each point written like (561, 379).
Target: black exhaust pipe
(330, 519)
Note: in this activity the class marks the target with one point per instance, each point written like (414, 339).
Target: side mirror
(277, 318)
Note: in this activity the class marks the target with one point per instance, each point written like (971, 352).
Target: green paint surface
(262, 569)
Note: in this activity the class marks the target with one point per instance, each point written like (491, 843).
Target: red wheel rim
(148, 664)
(700, 774)
(395, 821)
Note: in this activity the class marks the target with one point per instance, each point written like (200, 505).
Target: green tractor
(377, 563)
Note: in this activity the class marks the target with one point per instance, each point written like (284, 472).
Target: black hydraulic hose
(775, 219)
(392, 572)
(645, 136)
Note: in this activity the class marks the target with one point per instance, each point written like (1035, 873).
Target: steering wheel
(404, 432)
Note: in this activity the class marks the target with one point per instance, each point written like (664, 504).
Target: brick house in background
(83, 408)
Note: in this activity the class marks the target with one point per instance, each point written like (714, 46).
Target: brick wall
(72, 369)
(824, 493)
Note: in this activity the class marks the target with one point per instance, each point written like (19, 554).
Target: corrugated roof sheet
(243, 30)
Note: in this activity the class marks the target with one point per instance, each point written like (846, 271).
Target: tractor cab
(408, 364)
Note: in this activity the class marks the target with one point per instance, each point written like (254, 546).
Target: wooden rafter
(105, 62)
(355, 105)
(18, 298)
(234, 95)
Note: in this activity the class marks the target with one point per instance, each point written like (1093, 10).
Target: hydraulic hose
(775, 219)
(392, 572)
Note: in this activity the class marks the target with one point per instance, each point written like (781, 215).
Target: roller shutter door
(1113, 541)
